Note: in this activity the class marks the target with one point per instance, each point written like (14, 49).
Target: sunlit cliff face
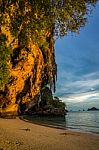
(29, 67)
(25, 73)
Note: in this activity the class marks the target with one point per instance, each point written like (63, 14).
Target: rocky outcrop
(47, 105)
(93, 109)
(30, 69)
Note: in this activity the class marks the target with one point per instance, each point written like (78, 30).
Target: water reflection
(83, 121)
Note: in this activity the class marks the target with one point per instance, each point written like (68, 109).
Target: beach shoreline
(58, 126)
(17, 134)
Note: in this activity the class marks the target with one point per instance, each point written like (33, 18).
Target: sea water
(83, 121)
(79, 121)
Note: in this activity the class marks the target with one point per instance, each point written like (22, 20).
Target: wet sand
(16, 134)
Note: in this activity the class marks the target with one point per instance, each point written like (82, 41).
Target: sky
(77, 57)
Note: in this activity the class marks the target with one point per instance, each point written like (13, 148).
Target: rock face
(31, 68)
(93, 109)
(47, 105)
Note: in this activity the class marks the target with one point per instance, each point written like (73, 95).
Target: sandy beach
(16, 134)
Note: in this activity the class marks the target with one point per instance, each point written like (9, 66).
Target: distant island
(93, 109)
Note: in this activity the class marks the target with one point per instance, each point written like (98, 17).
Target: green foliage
(58, 103)
(48, 102)
(4, 57)
(57, 16)
(46, 97)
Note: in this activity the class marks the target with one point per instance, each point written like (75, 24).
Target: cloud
(87, 84)
(82, 101)
(81, 97)
(71, 83)
(78, 92)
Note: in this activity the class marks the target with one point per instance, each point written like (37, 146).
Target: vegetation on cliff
(4, 57)
(47, 105)
(27, 32)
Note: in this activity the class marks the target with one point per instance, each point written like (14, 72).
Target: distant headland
(93, 109)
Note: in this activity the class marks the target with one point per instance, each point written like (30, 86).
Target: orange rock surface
(26, 66)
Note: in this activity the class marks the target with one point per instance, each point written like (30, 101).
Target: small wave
(83, 130)
(83, 125)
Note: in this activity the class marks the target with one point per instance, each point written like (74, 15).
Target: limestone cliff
(31, 67)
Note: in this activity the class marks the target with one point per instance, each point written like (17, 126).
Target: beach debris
(18, 143)
(26, 129)
(70, 134)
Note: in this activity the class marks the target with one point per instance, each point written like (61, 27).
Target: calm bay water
(83, 121)
(79, 121)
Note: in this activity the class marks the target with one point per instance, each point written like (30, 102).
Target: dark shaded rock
(47, 105)
(93, 109)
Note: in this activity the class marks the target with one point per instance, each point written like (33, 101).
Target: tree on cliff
(38, 21)
(33, 16)
(59, 16)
